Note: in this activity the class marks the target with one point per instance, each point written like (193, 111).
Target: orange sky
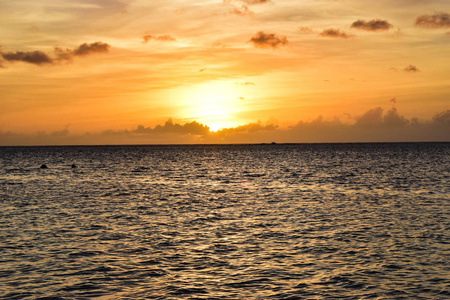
(87, 72)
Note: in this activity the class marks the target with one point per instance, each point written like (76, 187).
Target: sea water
(319, 221)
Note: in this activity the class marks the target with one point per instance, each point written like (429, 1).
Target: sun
(213, 103)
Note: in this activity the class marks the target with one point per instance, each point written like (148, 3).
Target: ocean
(294, 221)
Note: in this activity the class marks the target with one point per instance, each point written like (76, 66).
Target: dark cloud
(393, 101)
(60, 133)
(393, 119)
(442, 119)
(411, 69)
(374, 118)
(438, 20)
(161, 38)
(268, 40)
(33, 57)
(86, 49)
(371, 118)
(335, 33)
(41, 58)
(372, 25)
(169, 127)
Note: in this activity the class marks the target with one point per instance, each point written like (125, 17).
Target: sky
(223, 71)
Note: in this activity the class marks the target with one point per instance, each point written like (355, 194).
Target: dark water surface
(336, 221)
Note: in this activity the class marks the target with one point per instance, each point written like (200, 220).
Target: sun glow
(214, 104)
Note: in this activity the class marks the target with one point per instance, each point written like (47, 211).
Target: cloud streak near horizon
(374, 125)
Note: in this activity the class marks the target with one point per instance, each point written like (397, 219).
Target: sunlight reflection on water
(225, 222)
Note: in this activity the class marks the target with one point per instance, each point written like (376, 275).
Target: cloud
(244, 129)
(202, 69)
(33, 57)
(252, 2)
(442, 119)
(392, 119)
(335, 33)
(60, 133)
(243, 11)
(371, 118)
(268, 40)
(86, 49)
(249, 2)
(161, 38)
(247, 83)
(372, 126)
(393, 101)
(438, 20)
(374, 118)
(372, 25)
(305, 30)
(169, 127)
(411, 69)
(38, 57)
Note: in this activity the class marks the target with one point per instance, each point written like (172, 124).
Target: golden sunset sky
(223, 71)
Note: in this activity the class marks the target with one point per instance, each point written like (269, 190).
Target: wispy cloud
(268, 40)
(38, 57)
(249, 2)
(305, 30)
(372, 25)
(335, 33)
(248, 128)
(252, 2)
(163, 38)
(438, 20)
(243, 11)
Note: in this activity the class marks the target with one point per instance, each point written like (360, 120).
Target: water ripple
(362, 221)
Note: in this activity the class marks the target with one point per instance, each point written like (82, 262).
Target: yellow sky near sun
(220, 63)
